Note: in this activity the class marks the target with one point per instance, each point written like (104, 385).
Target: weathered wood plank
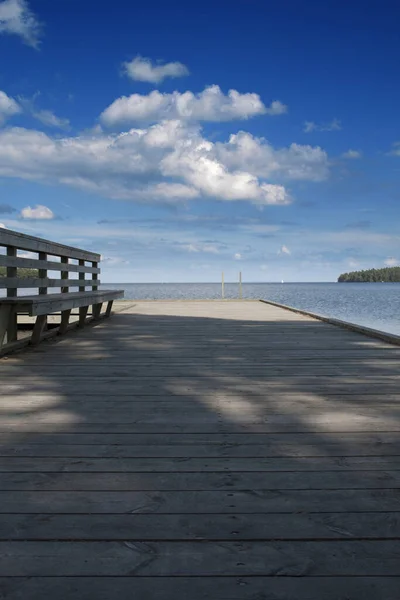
(199, 451)
(35, 244)
(329, 440)
(36, 282)
(157, 527)
(251, 501)
(50, 265)
(201, 481)
(187, 464)
(200, 588)
(35, 305)
(235, 559)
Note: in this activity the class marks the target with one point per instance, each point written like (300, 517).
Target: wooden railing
(47, 256)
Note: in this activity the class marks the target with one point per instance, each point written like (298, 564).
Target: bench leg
(109, 308)
(12, 328)
(5, 312)
(65, 315)
(83, 311)
(97, 311)
(38, 329)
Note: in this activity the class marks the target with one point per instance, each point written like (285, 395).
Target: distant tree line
(391, 274)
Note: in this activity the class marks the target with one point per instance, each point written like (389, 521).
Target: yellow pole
(240, 284)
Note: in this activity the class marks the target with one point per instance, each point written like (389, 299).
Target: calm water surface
(375, 305)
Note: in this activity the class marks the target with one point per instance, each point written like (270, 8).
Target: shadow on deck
(161, 457)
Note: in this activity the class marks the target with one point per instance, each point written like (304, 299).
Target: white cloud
(334, 125)
(142, 69)
(200, 247)
(302, 162)
(168, 162)
(237, 256)
(209, 105)
(352, 154)
(39, 212)
(8, 106)
(391, 262)
(16, 18)
(284, 250)
(264, 267)
(47, 117)
(276, 108)
(2, 226)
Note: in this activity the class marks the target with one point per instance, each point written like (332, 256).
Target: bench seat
(50, 303)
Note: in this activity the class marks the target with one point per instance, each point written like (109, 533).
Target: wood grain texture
(201, 449)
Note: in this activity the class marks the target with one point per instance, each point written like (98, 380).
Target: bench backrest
(47, 256)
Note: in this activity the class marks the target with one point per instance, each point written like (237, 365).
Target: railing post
(83, 309)
(240, 284)
(12, 329)
(42, 273)
(223, 286)
(64, 275)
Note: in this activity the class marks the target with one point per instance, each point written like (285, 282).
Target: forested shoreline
(388, 274)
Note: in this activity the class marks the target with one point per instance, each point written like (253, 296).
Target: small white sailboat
(282, 281)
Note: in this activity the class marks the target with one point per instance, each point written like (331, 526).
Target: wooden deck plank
(200, 588)
(190, 439)
(273, 501)
(312, 480)
(194, 527)
(208, 559)
(246, 451)
(229, 464)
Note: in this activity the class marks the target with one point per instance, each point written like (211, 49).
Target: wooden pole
(240, 284)
(223, 286)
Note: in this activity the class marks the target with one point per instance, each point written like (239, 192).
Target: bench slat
(51, 303)
(34, 244)
(35, 282)
(49, 265)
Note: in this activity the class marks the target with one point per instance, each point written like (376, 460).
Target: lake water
(374, 305)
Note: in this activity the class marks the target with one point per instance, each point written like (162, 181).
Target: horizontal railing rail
(21, 241)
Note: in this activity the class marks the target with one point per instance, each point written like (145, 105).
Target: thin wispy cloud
(16, 18)
(310, 126)
(352, 154)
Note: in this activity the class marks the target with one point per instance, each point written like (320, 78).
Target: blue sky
(182, 139)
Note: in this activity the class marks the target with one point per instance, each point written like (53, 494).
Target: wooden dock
(201, 450)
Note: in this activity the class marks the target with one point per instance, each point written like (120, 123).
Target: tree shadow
(243, 447)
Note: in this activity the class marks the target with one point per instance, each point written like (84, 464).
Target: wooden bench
(63, 259)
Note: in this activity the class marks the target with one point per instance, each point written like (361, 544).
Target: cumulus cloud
(2, 226)
(301, 162)
(8, 107)
(352, 154)
(334, 125)
(39, 212)
(237, 256)
(209, 105)
(142, 69)
(168, 162)
(391, 262)
(16, 18)
(284, 250)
